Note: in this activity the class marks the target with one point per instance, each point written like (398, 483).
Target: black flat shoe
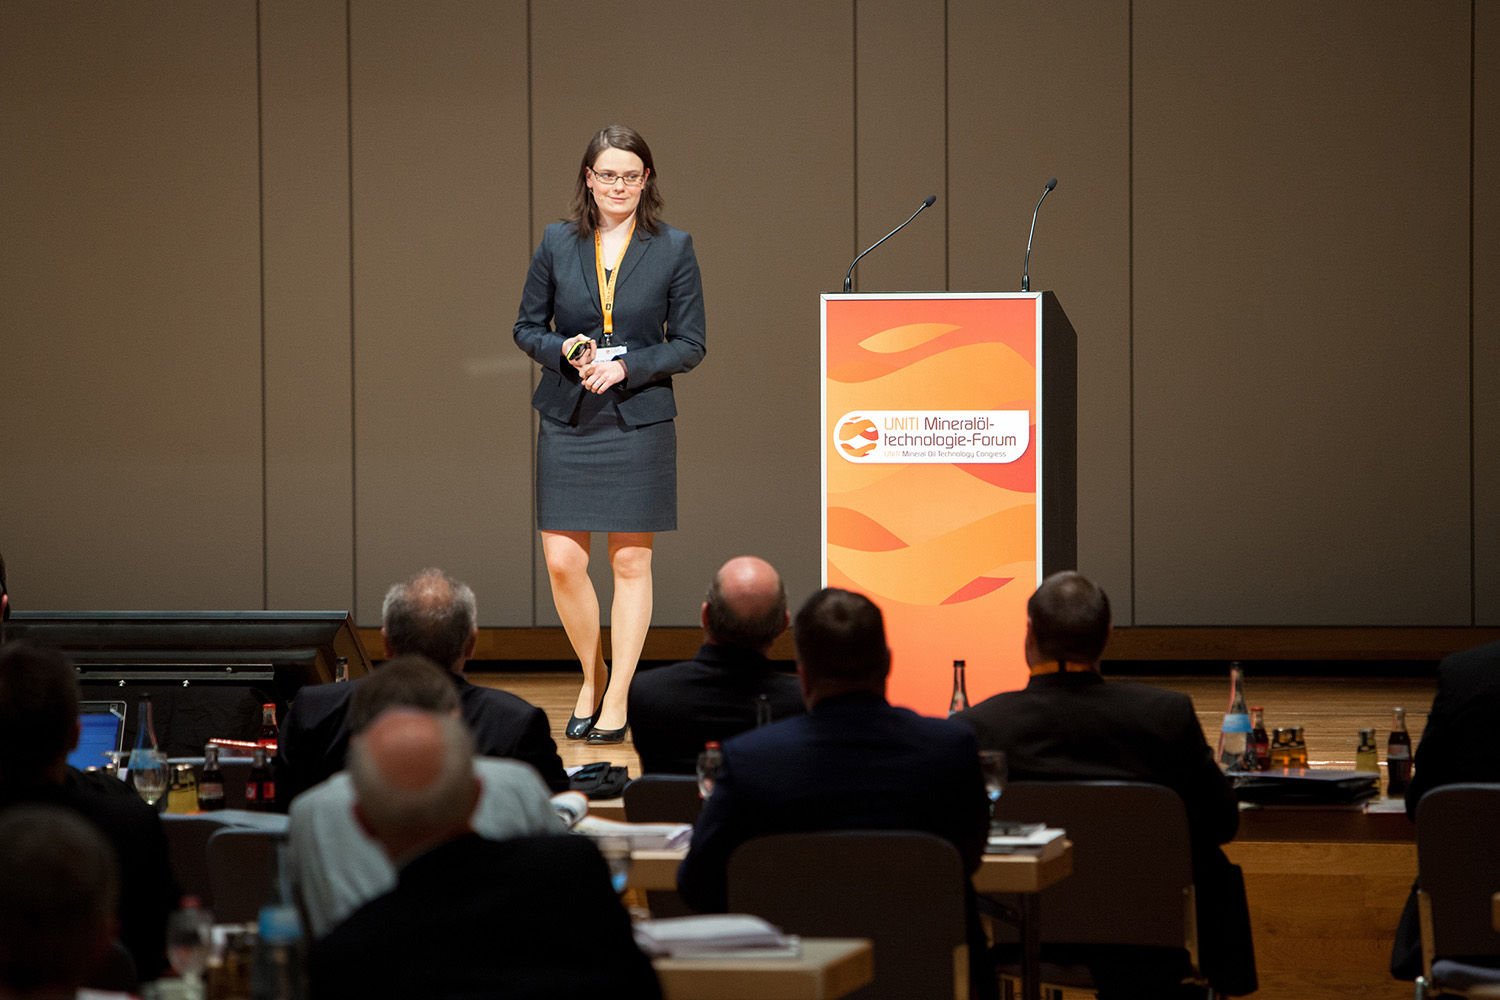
(601, 737)
(578, 728)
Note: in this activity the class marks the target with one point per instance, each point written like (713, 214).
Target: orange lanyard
(607, 288)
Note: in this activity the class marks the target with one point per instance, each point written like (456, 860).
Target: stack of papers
(1043, 841)
(739, 935)
(642, 836)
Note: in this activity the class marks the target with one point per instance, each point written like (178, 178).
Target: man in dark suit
(1455, 747)
(1069, 723)
(430, 615)
(852, 762)
(675, 710)
(469, 917)
(38, 729)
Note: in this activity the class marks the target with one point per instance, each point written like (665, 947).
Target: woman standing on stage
(612, 309)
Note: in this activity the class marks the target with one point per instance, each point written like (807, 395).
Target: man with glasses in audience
(676, 709)
(1068, 723)
(434, 616)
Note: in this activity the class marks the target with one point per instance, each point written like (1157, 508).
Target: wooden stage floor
(1331, 710)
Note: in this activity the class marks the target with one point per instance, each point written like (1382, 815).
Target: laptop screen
(101, 729)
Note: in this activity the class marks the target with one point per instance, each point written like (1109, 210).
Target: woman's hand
(584, 357)
(601, 375)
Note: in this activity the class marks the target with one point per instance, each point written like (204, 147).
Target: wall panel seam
(353, 373)
(260, 194)
(1130, 273)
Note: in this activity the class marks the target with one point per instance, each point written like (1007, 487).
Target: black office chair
(663, 798)
(241, 865)
(187, 848)
(1458, 869)
(904, 890)
(1132, 881)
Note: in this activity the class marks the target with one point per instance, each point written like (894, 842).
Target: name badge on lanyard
(608, 350)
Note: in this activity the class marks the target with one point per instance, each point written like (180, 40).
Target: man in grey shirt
(335, 866)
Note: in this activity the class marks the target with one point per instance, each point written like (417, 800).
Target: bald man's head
(414, 783)
(746, 604)
(431, 615)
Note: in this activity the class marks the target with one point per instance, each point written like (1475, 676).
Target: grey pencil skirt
(601, 474)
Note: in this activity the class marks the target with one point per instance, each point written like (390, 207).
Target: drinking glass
(710, 761)
(148, 772)
(993, 766)
(188, 932)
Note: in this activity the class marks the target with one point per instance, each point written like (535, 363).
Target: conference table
(1023, 875)
(826, 969)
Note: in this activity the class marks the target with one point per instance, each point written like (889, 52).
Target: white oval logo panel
(996, 436)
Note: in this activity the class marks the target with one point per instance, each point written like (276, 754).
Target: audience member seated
(38, 728)
(469, 917)
(1069, 723)
(853, 762)
(59, 895)
(435, 616)
(675, 710)
(1455, 747)
(335, 866)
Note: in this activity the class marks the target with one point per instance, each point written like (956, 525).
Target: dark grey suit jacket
(658, 317)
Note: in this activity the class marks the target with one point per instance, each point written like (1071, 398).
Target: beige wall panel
(1038, 90)
(1301, 313)
(130, 407)
(305, 217)
(438, 98)
(899, 106)
(1486, 290)
(748, 110)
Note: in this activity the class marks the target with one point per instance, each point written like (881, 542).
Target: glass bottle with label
(1367, 757)
(268, 728)
(211, 787)
(1281, 749)
(960, 699)
(260, 787)
(1260, 740)
(182, 795)
(1234, 734)
(1398, 756)
(1299, 748)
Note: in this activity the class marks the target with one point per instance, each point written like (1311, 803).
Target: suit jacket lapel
(639, 247)
(590, 273)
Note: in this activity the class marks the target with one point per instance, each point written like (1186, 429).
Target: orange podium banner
(948, 475)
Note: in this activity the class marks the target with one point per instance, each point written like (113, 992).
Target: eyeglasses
(609, 177)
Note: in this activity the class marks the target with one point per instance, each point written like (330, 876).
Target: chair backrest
(1132, 875)
(662, 798)
(904, 890)
(1458, 866)
(187, 847)
(241, 864)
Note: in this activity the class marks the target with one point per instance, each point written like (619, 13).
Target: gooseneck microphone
(1026, 268)
(849, 278)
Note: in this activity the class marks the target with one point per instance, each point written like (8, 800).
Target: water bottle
(1234, 734)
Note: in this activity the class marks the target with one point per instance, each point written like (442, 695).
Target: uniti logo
(857, 436)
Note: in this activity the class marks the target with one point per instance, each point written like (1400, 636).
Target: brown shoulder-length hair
(583, 213)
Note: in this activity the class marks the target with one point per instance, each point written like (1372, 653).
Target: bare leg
(567, 554)
(630, 617)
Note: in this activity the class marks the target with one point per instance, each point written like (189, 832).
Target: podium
(949, 484)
